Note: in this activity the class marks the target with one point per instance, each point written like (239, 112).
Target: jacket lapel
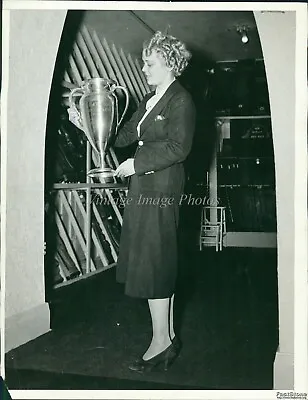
(142, 108)
(149, 119)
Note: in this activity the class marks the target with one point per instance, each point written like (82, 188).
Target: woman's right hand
(73, 116)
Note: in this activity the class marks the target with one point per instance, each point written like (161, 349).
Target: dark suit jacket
(165, 140)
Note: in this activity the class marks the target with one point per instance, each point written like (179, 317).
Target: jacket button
(140, 143)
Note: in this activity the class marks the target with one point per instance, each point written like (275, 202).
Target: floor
(227, 319)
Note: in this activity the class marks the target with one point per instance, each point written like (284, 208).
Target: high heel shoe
(165, 358)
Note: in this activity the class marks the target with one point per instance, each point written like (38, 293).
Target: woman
(164, 126)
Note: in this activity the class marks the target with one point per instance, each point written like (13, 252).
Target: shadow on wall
(55, 108)
(197, 79)
(56, 118)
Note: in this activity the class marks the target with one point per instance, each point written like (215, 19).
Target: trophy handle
(127, 102)
(72, 101)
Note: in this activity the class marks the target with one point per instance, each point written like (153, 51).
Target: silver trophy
(98, 114)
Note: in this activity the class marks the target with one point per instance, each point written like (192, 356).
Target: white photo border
(300, 231)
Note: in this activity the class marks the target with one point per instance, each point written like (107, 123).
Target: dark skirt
(148, 254)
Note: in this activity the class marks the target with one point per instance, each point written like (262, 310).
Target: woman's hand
(125, 169)
(74, 118)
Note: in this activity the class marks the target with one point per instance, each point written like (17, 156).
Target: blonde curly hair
(171, 49)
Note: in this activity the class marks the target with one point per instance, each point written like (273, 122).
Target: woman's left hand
(126, 168)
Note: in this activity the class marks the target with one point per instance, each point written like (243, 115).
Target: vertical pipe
(88, 222)
(74, 220)
(72, 204)
(112, 61)
(88, 211)
(213, 179)
(81, 62)
(87, 56)
(67, 241)
(97, 244)
(94, 53)
(116, 68)
(74, 70)
(132, 71)
(104, 230)
(137, 75)
(127, 71)
(102, 54)
(67, 77)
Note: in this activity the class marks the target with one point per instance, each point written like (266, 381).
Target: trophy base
(106, 173)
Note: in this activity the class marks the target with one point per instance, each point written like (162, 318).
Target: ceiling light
(242, 31)
(244, 37)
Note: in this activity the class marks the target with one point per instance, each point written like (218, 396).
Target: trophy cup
(99, 117)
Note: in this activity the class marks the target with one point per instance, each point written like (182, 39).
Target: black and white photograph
(151, 184)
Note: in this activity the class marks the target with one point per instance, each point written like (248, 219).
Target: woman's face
(155, 68)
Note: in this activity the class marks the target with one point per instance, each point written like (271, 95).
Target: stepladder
(212, 227)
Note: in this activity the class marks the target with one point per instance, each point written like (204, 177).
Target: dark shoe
(165, 359)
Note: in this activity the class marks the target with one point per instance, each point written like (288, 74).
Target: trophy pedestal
(106, 173)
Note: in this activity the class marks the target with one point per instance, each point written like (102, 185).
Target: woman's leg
(159, 309)
(171, 319)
